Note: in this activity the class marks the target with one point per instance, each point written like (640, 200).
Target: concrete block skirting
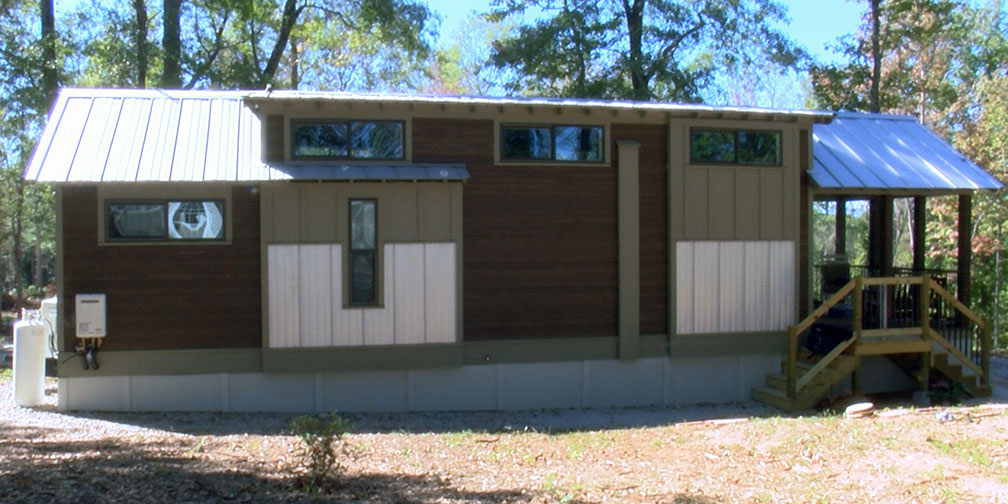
(578, 384)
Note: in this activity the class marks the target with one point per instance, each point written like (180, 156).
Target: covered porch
(857, 305)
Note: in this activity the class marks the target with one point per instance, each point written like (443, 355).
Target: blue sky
(814, 23)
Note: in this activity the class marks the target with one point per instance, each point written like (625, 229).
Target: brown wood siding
(654, 241)
(166, 296)
(539, 242)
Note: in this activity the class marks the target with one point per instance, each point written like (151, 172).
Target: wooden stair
(775, 391)
(947, 365)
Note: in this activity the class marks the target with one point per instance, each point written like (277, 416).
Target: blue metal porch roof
(859, 151)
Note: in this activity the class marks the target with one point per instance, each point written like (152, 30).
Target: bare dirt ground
(706, 454)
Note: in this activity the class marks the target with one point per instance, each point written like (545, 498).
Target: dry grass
(901, 455)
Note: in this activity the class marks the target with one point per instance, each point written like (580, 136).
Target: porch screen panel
(734, 286)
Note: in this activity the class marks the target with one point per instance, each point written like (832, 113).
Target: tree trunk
(37, 281)
(17, 229)
(49, 76)
(140, 40)
(635, 28)
(295, 76)
(290, 14)
(171, 78)
(876, 57)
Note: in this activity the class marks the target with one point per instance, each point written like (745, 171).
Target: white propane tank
(29, 362)
(48, 310)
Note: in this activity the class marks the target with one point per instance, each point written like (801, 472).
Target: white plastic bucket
(29, 362)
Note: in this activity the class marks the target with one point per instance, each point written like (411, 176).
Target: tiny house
(313, 251)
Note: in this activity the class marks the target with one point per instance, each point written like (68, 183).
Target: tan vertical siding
(734, 286)
(439, 291)
(306, 306)
(734, 201)
(408, 299)
(315, 295)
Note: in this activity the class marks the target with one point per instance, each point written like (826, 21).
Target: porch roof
(880, 152)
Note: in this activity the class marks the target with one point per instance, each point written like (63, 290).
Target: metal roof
(859, 151)
(103, 135)
(136, 135)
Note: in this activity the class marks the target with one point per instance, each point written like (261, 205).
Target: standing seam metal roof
(180, 136)
(887, 152)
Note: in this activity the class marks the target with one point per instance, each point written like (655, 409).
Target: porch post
(841, 226)
(920, 229)
(965, 248)
(880, 229)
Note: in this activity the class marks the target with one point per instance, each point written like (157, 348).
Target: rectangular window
(183, 220)
(752, 147)
(347, 140)
(363, 227)
(552, 143)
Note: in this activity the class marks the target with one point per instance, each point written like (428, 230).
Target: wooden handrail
(892, 280)
(795, 330)
(953, 351)
(807, 376)
(824, 308)
(955, 303)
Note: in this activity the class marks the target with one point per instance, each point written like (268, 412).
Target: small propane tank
(48, 311)
(29, 362)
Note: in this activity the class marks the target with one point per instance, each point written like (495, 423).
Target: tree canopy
(637, 49)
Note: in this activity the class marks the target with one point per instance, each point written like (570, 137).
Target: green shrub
(323, 440)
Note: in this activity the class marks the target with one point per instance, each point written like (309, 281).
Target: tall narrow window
(363, 224)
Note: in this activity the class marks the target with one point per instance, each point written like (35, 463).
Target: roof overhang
(868, 154)
(688, 110)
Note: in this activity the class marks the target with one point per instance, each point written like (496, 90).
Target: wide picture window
(347, 140)
(752, 147)
(184, 220)
(552, 143)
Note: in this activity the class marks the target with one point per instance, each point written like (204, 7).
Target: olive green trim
(300, 360)
(544, 350)
(163, 362)
(628, 231)
(675, 232)
(727, 344)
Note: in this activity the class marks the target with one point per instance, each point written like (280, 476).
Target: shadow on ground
(39, 471)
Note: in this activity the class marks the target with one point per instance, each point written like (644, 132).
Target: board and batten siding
(733, 201)
(306, 306)
(734, 286)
